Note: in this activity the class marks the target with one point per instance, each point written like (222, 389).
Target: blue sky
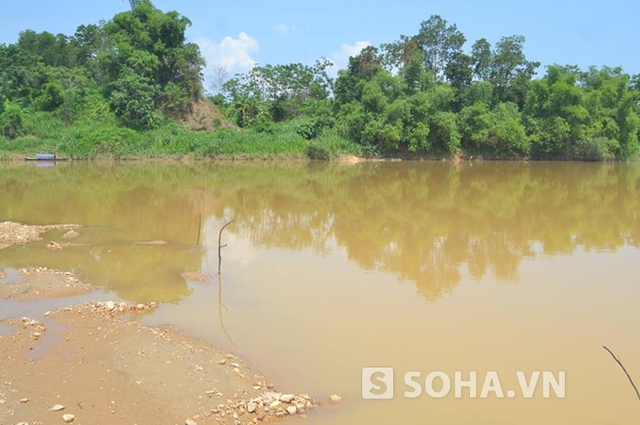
(239, 33)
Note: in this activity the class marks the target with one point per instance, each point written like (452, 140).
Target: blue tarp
(45, 156)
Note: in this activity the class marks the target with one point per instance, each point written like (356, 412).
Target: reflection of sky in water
(330, 268)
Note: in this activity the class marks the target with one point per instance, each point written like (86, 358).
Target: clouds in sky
(340, 58)
(283, 29)
(232, 54)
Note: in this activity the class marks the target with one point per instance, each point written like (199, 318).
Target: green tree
(439, 43)
(11, 120)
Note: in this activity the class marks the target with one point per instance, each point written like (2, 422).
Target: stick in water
(199, 227)
(617, 359)
(221, 246)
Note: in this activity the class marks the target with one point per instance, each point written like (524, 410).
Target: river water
(331, 268)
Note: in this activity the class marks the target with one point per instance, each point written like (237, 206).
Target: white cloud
(232, 54)
(283, 29)
(340, 58)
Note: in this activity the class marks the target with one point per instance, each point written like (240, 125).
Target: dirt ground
(38, 283)
(92, 364)
(12, 233)
(104, 368)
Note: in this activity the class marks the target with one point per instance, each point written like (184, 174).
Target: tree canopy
(430, 93)
(138, 63)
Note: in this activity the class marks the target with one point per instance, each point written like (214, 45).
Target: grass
(105, 138)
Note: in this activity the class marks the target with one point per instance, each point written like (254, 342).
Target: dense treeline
(423, 94)
(133, 86)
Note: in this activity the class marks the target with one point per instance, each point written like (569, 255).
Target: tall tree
(440, 43)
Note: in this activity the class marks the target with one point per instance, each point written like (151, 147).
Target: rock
(54, 246)
(236, 370)
(252, 406)
(47, 314)
(234, 364)
(23, 400)
(68, 418)
(292, 410)
(37, 334)
(71, 234)
(23, 423)
(274, 405)
(222, 362)
(141, 307)
(190, 422)
(110, 305)
(287, 398)
(335, 398)
(57, 408)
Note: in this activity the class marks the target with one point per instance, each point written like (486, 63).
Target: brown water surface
(330, 268)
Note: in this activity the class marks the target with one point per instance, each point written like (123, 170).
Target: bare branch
(617, 359)
(220, 246)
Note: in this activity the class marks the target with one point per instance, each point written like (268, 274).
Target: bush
(11, 120)
(331, 146)
(597, 149)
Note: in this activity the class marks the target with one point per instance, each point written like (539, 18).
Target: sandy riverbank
(94, 364)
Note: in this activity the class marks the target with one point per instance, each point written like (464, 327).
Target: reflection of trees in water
(426, 222)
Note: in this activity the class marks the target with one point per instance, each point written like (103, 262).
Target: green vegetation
(132, 87)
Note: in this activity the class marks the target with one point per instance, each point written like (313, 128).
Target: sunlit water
(329, 268)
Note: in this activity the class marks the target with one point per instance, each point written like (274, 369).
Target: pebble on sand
(57, 408)
(190, 422)
(68, 418)
(335, 398)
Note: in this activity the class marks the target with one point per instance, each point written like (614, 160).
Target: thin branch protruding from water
(220, 246)
(617, 359)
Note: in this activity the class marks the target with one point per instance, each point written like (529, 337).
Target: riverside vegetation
(133, 87)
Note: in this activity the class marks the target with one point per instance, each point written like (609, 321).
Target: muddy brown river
(486, 269)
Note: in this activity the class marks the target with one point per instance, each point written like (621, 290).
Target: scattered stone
(287, 398)
(141, 306)
(37, 334)
(54, 246)
(71, 234)
(16, 233)
(335, 398)
(47, 314)
(252, 406)
(274, 405)
(68, 418)
(57, 408)
(292, 410)
(23, 423)
(234, 364)
(236, 370)
(222, 362)
(23, 400)
(110, 305)
(190, 422)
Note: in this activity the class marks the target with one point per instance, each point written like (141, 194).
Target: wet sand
(91, 363)
(105, 368)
